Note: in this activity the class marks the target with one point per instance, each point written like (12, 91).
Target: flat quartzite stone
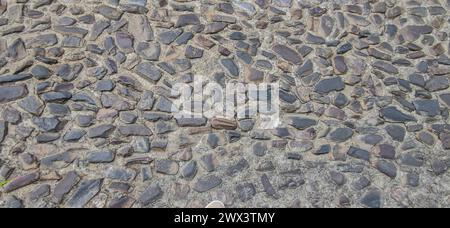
(12, 93)
(288, 54)
(207, 183)
(392, 114)
(166, 166)
(150, 195)
(329, 85)
(85, 192)
(149, 72)
(22, 181)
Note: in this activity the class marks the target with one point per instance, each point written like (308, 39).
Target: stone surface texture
(85, 107)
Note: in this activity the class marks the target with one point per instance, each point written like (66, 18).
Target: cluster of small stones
(85, 103)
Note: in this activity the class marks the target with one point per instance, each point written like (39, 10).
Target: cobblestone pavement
(85, 101)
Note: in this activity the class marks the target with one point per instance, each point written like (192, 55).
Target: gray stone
(21, 181)
(388, 168)
(32, 104)
(306, 69)
(59, 110)
(413, 32)
(301, 123)
(189, 171)
(149, 72)
(17, 50)
(206, 183)
(414, 159)
(135, 130)
(187, 19)
(230, 67)
(149, 51)
(46, 124)
(385, 151)
(445, 139)
(14, 78)
(324, 149)
(12, 115)
(72, 42)
(208, 162)
(215, 27)
(427, 107)
(165, 105)
(85, 192)
(191, 122)
(244, 7)
(359, 153)
(240, 166)
(340, 66)
(125, 42)
(338, 178)
(439, 167)
(288, 54)
(64, 186)
(39, 192)
(361, 183)
(259, 149)
(109, 12)
(97, 29)
(170, 36)
(397, 133)
(412, 179)
(141, 145)
(12, 93)
(341, 134)
(437, 83)
(74, 135)
(193, 52)
(392, 114)
(150, 195)
(106, 156)
(3, 130)
(13, 202)
(120, 174)
(386, 67)
(42, 41)
(71, 30)
(268, 187)
(57, 97)
(372, 199)
(246, 191)
(140, 27)
(167, 167)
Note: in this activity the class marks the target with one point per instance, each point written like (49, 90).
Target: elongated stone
(14, 78)
(149, 72)
(150, 195)
(230, 66)
(12, 93)
(85, 192)
(330, 84)
(288, 54)
(392, 114)
(223, 124)
(187, 19)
